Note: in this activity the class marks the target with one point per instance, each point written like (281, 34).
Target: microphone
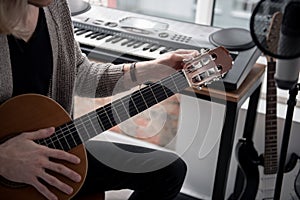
(287, 70)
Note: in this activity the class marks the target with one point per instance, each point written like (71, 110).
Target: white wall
(201, 150)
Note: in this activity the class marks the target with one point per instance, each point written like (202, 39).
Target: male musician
(38, 54)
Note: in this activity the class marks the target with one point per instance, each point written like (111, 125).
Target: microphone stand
(285, 138)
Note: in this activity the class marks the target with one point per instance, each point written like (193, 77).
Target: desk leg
(227, 139)
(248, 134)
(225, 150)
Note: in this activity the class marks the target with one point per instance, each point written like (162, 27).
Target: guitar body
(31, 112)
(291, 181)
(248, 160)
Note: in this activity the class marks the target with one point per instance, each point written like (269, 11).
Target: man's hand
(154, 70)
(22, 160)
(174, 59)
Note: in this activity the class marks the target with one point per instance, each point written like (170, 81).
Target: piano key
(154, 48)
(102, 44)
(103, 36)
(78, 30)
(90, 34)
(138, 44)
(117, 40)
(111, 39)
(147, 47)
(121, 44)
(126, 42)
(82, 32)
(131, 43)
(95, 35)
(166, 49)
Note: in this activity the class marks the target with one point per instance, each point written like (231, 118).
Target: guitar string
(110, 123)
(104, 122)
(60, 133)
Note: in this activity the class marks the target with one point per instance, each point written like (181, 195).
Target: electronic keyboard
(117, 36)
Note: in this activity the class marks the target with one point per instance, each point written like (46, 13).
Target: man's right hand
(22, 160)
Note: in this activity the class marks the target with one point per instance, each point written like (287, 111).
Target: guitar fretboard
(90, 125)
(270, 155)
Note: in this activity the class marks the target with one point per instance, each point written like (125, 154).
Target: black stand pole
(285, 139)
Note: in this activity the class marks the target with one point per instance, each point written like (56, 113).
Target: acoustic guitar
(31, 112)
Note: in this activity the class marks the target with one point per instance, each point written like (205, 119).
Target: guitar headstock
(273, 32)
(207, 67)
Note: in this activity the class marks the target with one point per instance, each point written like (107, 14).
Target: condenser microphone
(287, 70)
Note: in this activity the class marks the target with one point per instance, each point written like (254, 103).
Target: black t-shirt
(32, 61)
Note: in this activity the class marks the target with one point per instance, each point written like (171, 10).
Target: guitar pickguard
(290, 186)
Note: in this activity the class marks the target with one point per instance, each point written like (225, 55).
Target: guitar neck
(197, 72)
(90, 125)
(270, 155)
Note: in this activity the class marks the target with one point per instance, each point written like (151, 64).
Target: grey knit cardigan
(73, 73)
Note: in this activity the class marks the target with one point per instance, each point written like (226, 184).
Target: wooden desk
(233, 101)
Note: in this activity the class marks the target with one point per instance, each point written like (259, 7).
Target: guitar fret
(124, 108)
(272, 150)
(127, 107)
(272, 140)
(90, 127)
(271, 123)
(133, 105)
(272, 98)
(159, 92)
(95, 122)
(272, 156)
(134, 100)
(74, 143)
(104, 118)
(128, 103)
(70, 141)
(109, 116)
(43, 142)
(60, 141)
(146, 102)
(149, 96)
(57, 142)
(115, 112)
(177, 90)
(85, 134)
(272, 145)
(151, 99)
(49, 144)
(169, 85)
(271, 163)
(142, 95)
(99, 120)
(151, 89)
(272, 129)
(75, 135)
(65, 137)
